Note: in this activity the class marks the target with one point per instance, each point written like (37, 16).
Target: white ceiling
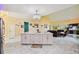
(29, 9)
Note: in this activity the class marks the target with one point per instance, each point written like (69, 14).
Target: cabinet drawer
(36, 39)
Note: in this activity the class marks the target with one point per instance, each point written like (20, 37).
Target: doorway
(26, 26)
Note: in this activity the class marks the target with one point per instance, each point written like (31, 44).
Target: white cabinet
(23, 39)
(27, 38)
(44, 39)
(36, 38)
(49, 39)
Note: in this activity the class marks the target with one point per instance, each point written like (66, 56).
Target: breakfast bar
(36, 38)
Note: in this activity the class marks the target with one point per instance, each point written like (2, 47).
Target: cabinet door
(27, 39)
(50, 39)
(23, 39)
(44, 39)
(36, 38)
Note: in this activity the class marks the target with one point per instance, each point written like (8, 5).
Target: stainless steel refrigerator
(1, 35)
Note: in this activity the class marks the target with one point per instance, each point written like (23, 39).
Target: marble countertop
(36, 33)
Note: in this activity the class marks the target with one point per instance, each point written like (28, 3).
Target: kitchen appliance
(1, 35)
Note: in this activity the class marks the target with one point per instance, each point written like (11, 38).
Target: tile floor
(61, 45)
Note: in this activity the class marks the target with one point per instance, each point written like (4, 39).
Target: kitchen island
(36, 38)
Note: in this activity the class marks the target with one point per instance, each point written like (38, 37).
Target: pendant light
(36, 16)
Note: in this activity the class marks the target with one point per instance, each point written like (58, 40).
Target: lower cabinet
(38, 38)
(27, 38)
(44, 39)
